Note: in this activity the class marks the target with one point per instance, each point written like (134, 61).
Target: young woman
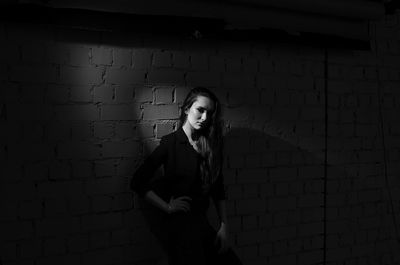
(192, 163)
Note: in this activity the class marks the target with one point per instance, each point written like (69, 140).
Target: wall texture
(79, 110)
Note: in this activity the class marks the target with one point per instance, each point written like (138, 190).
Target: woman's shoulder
(172, 136)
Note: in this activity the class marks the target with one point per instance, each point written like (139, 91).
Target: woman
(192, 161)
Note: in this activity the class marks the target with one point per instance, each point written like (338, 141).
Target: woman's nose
(204, 116)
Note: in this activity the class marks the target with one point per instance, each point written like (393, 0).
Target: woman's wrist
(169, 208)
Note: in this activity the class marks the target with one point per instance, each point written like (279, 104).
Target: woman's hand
(222, 240)
(179, 204)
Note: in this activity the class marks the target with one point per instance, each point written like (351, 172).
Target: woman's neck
(190, 132)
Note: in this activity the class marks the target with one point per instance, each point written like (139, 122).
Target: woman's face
(199, 114)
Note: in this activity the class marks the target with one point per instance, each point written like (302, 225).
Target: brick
(141, 59)
(235, 81)
(102, 56)
(103, 130)
(255, 176)
(310, 200)
(123, 201)
(282, 203)
(9, 92)
(373, 195)
(310, 229)
(247, 252)
(101, 221)
(144, 94)
(101, 203)
(312, 257)
(57, 226)
(120, 237)
(31, 93)
(280, 233)
(250, 206)
(57, 93)
(103, 93)
(124, 130)
(160, 112)
(107, 185)
(59, 170)
(283, 259)
(78, 55)
(33, 53)
(9, 211)
(216, 64)
(79, 205)
(81, 75)
(163, 95)
(124, 94)
(144, 130)
(266, 65)
(61, 260)
(33, 75)
(198, 62)
(282, 174)
(76, 112)
(54, 246)
(120, 149)
(105, 168)
(30, 209)
(250, 191)
(55, 207)
(251, 237)
(99, 239)
(338, 254)
(249, 222)
(120, 112)
(180, 60)
(32, 132)
(31, 248)
(78, 243)
(81, 93)
(16, 230)
(236, 114)
(59, 189)
(56, 53)
(250, 65)
(164, 129)
(124, 76)
(162, 59)
(30, 151)
(205, 79)
(32, 171)
(81, 130)
(8, 251)
(78, 150)
(233, 64)
(29, 112)
(165, 76)
(103, 257)
(122, 57)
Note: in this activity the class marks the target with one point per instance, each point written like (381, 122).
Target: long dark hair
(210, 140)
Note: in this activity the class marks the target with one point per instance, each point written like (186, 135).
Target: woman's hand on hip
(179, 204)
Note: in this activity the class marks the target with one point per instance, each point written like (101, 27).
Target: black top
(181, 173)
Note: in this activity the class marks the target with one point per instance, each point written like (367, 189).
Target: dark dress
(187, 237)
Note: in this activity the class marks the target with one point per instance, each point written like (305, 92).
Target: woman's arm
(220, 205)
(222, 239)
(174, 205)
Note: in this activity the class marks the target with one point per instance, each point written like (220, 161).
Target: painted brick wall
(80, 109)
